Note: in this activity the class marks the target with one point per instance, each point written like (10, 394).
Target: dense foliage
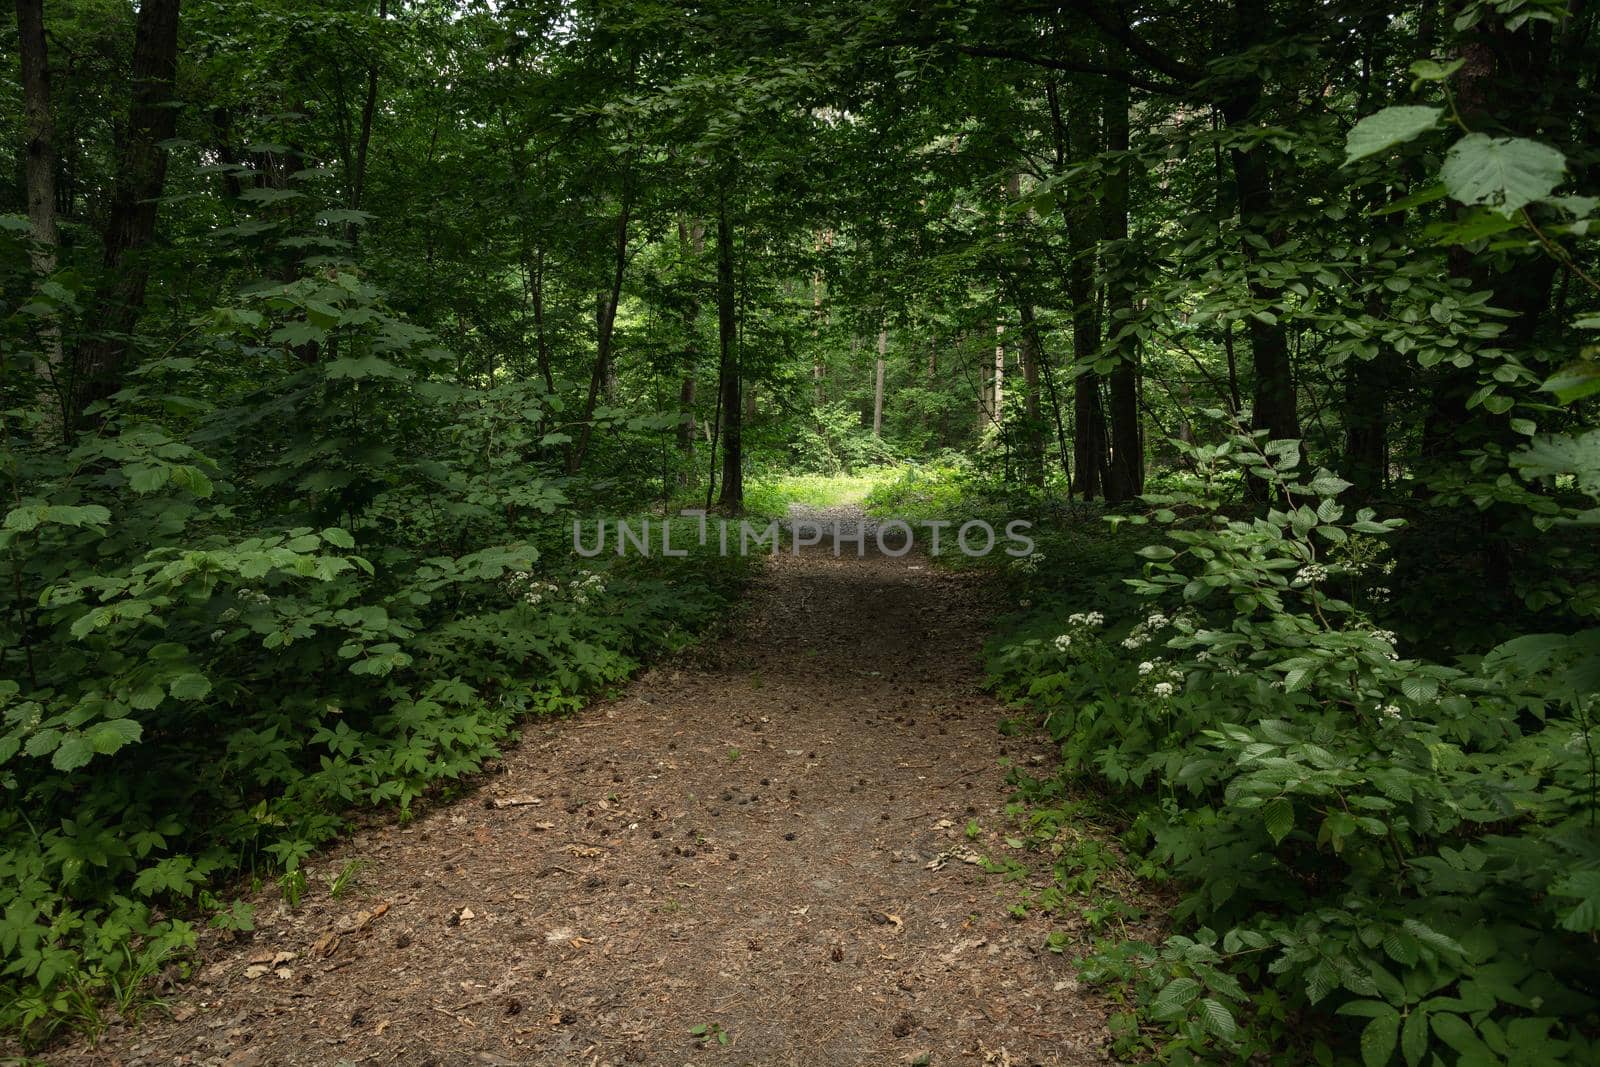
(319, 321)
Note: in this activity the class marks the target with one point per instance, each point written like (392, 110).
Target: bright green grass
(772, 494)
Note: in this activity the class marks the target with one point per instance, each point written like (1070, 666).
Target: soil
(754, 855)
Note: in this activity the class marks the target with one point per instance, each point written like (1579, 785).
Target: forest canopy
(321, 320)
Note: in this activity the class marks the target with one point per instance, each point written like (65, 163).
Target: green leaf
(1501, 173)
(1574, 381)
(1387, 128)
(1419, 690)
(75, 751)
(112, 734)
(1379, 1037)
(190, 686)
(1218, 1019)
(1278, 816)
(1414, 1037)
(1431, 70)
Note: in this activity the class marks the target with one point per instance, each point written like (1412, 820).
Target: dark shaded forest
(321, 323)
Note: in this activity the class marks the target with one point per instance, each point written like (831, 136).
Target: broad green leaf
(191, 686)
(1379, 1037)
(1218, 1019)
(1387, 128)
(112, 734)
(1574, 381)
(1501, 173)
(75, 751)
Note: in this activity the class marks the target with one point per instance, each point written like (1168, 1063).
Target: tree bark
(1273, 394)
(40, 133)
(691, 244)
(605, 324)
(1126, 468)
(1077, 137)
(369, 106)
(728, 338)
(877, 389)
(141, 174)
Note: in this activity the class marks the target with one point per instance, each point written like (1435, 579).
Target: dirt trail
(766, 841)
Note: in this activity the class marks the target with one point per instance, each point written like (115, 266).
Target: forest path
(749, 840)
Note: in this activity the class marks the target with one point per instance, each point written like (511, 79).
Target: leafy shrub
(1408, 844)
(351, 606)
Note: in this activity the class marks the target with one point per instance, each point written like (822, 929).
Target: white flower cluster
(1028, 564)
(1078, 623)
(1167, 677)
(532, 592)
(1390, 712)
(1387, 639)
(1311, 574)
(1141, 634)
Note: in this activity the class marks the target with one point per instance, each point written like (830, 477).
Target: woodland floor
(764, 837)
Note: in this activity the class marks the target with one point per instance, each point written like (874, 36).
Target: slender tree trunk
(997, 395)
(130, 228)
(605, 324)
(819, 368)
(1273, 395)
(877, 389)
(1029, 353)
(1126, 468)
(369, 107)
(728, 338)
(1077, 137)
(691, 244)
(40, 134)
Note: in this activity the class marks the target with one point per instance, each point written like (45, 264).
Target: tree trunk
(131, 225)
(1126, 469)
(877, 389)
(40, 134)
(997, 392)
(1273, 399)
(691, 244)
(1078, 138)
(369, 106)
(728, 338)
(605, 324)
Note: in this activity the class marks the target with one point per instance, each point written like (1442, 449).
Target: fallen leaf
(256, 970)
(544, 825)
(516, 801)
(326, 945)
(466, 915)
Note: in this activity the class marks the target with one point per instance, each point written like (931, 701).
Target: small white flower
(1163, 690)
(1063, 642)
(1146, 667)
(1156, 621)
(1390, 711)
(1134, 641)
(1311, 574)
